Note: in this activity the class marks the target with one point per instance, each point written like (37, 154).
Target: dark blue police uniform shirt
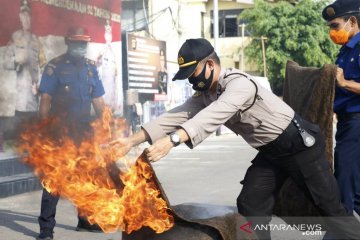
(71, 86)
(349, 60)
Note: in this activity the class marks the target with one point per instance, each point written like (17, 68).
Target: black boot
(85, 226)
(45, 234)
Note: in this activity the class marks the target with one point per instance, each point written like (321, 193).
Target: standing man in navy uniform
(343, 19)
(69, 86)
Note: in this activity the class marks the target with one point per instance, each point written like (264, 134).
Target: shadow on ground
(13, 220)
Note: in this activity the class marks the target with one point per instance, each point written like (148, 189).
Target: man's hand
(159, 149)
(123, 146)
(99, 106)
(162, 146)
(156, 151)
(45, 103)
(21, 56)
(34, 89)
(340, 79)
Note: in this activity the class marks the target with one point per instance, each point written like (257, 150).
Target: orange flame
(82, 174)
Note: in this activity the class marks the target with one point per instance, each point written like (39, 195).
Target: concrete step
(12, 165)
(18, 183)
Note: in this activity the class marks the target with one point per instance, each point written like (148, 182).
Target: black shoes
(85, 226)
(46, 238)
(45, 234)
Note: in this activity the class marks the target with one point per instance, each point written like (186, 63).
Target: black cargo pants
(287, 156)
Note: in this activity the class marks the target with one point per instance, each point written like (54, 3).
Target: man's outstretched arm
(156, 151)
(162, 147)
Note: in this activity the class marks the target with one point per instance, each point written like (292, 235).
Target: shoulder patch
(196, 94)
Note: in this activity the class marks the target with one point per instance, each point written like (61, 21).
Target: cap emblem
(330, 11)
(182, 64)
(181, 60)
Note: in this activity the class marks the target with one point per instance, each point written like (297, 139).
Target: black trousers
(347, 161)
(287, 156)
(48, 211)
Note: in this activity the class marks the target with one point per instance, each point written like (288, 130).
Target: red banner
(9, 22)
(54, 17)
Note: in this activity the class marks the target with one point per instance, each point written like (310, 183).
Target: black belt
(290, 132)
(294, 133)
(348, 116)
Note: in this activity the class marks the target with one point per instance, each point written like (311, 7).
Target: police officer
(162, 74)
(288, 145)
(107, 68)
(69, 85)
(25, 56)
(343, 19)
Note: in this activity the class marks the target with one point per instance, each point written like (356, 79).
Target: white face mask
(77, 49)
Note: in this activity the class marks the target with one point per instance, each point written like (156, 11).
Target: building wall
(191, 19)
(181, 20)
(174, 26)
(174, 21)
(229, 48)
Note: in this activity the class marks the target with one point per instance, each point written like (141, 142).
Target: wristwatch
(175, 139)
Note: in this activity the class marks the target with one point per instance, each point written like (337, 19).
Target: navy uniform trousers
(287, 156)
(347, 161)
(48, 211)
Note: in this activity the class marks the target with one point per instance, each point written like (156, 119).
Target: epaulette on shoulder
(196, 94)
(51, 65)
(91, 62)
(57, 59)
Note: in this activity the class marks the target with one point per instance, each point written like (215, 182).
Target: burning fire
(84, 174)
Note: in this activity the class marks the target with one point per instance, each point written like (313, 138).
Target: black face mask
(201, 83)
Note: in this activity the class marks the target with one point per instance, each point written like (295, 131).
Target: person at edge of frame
(288, 145)
(342, 17)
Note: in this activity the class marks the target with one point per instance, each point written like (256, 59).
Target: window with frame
(134, 15)
(229, 25)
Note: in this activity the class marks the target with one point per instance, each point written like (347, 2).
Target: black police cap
(341, 8)
(24, 7)
(190, 54)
